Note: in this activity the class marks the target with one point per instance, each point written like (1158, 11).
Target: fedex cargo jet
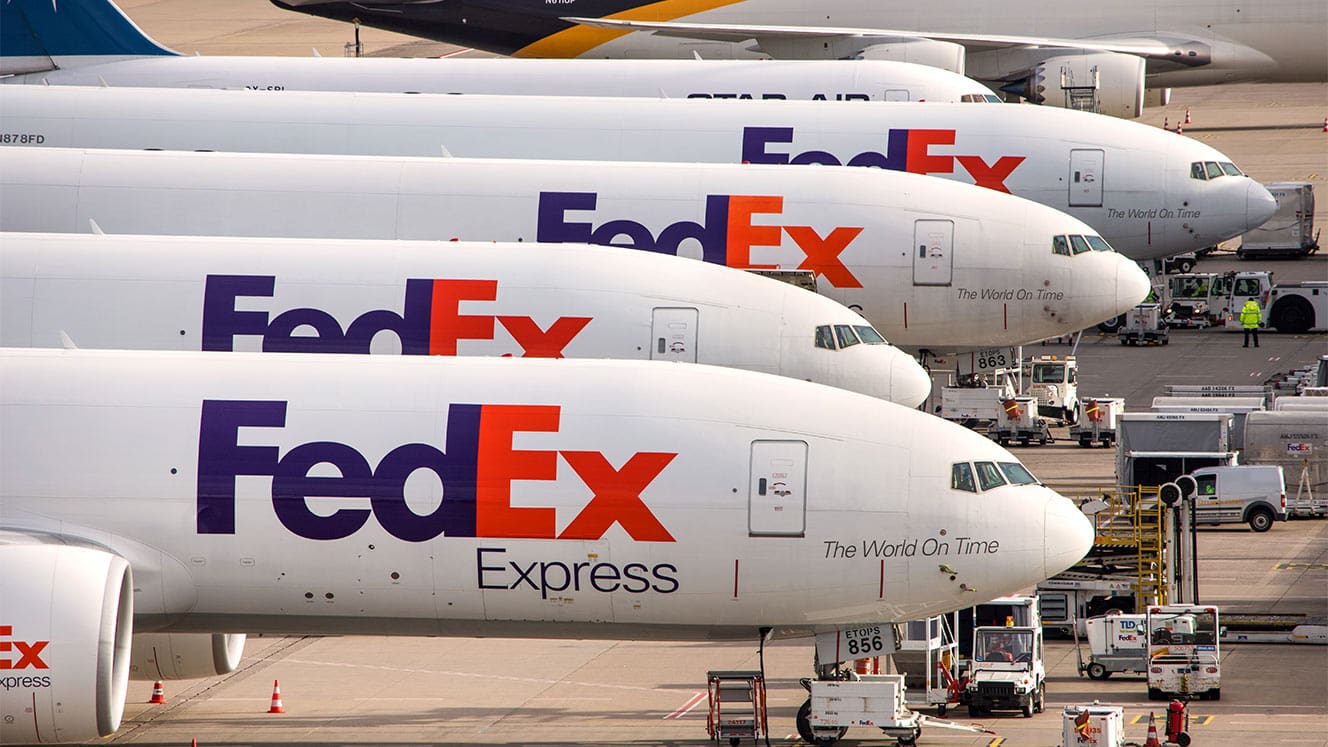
(930, 263)
(1042, 51)
(91, 43)
(1148, 192)
(211, 493)
(431, 298)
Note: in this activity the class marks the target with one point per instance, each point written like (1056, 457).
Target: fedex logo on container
(430, 322)
(727, 234)
(476, 469)
(906, 150)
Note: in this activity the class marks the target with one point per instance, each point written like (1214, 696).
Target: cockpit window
(1197, 170)
(1079, 244)
(1017, 473)
(961, 477)
(1060, 245)
(1099, 244)
(988, 475)
(1230, 169)
(845, 335)
(869, 335)
(1214, 171)
(825, 338)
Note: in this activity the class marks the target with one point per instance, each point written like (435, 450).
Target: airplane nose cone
(1068, 534)
(1132, 285)
(1259, 205)
(910, 384)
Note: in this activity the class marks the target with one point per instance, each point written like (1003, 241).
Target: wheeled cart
(737, 706)
(873, 700)
(1144, 325)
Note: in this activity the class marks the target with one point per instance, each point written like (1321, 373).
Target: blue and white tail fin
(38, 35)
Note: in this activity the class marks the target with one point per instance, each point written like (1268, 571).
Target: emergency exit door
(1086, 178)
(673, 335)
(777, 496)
(933, 252)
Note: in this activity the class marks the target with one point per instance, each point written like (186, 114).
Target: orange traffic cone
(1187, 115)
(158, 694)
(277, 707)
(1180, 129)
(1166, 123)
(1325, 124)
(1152, 740)
(193, 742)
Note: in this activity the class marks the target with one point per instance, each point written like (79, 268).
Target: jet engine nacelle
(930, 52)
(1116, 80)
(182, 656)
(66, 620)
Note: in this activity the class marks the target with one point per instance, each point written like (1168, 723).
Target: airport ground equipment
(1116, 643)
(928, 657)
(973, 405)
(1006, 672)
(1156, 447)
(1018, 421)
(1290, 232)
(1290, 308)
(1246, 493)
(874, 700)
(1239, 407)
(1184, 652)
(1098, 422)
(1053, 380)
(1144, 325)
(1093, 725)
(737, 705)
(1296, 440)
(1069, 599)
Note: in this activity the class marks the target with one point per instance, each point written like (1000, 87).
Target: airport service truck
(1054, 381)
(1005, 670)
(1184, 652)
(1290, 308)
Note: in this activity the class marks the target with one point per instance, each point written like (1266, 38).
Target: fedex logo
(28, 652)
(476, 469)
(430, 322)
(906, 150)
(727, 235)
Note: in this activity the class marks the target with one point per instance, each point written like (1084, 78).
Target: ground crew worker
(1250, 319)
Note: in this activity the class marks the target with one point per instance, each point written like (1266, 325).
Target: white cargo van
(1251, 493)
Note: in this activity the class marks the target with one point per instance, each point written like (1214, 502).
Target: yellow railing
(1130, 531)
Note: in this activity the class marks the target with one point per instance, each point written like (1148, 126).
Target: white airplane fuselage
(1134, 184)
(432, 298)
(984, 272)
(603, 498)
(196, 494)
(808, 80)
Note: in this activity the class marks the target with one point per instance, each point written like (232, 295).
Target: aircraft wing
(1141, 46)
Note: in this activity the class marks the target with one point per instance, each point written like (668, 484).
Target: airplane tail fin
(38, 35)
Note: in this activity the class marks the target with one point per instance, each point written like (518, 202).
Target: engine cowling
(182, 656)
(66, 620)
(1115, 80)
(930, 52)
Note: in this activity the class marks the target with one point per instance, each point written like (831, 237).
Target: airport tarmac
(414, 691)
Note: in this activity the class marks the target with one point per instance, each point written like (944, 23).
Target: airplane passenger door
(777, 495)
(933, 252)
(1086, 178)
(673, 335)
(895, 94)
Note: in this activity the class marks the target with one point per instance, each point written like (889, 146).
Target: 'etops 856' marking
(476, 471)
(906, 150)
(430, 322)
(726, 237)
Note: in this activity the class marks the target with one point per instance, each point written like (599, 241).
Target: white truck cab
(1249, 493)
(1007, 671)
(1053, 380)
